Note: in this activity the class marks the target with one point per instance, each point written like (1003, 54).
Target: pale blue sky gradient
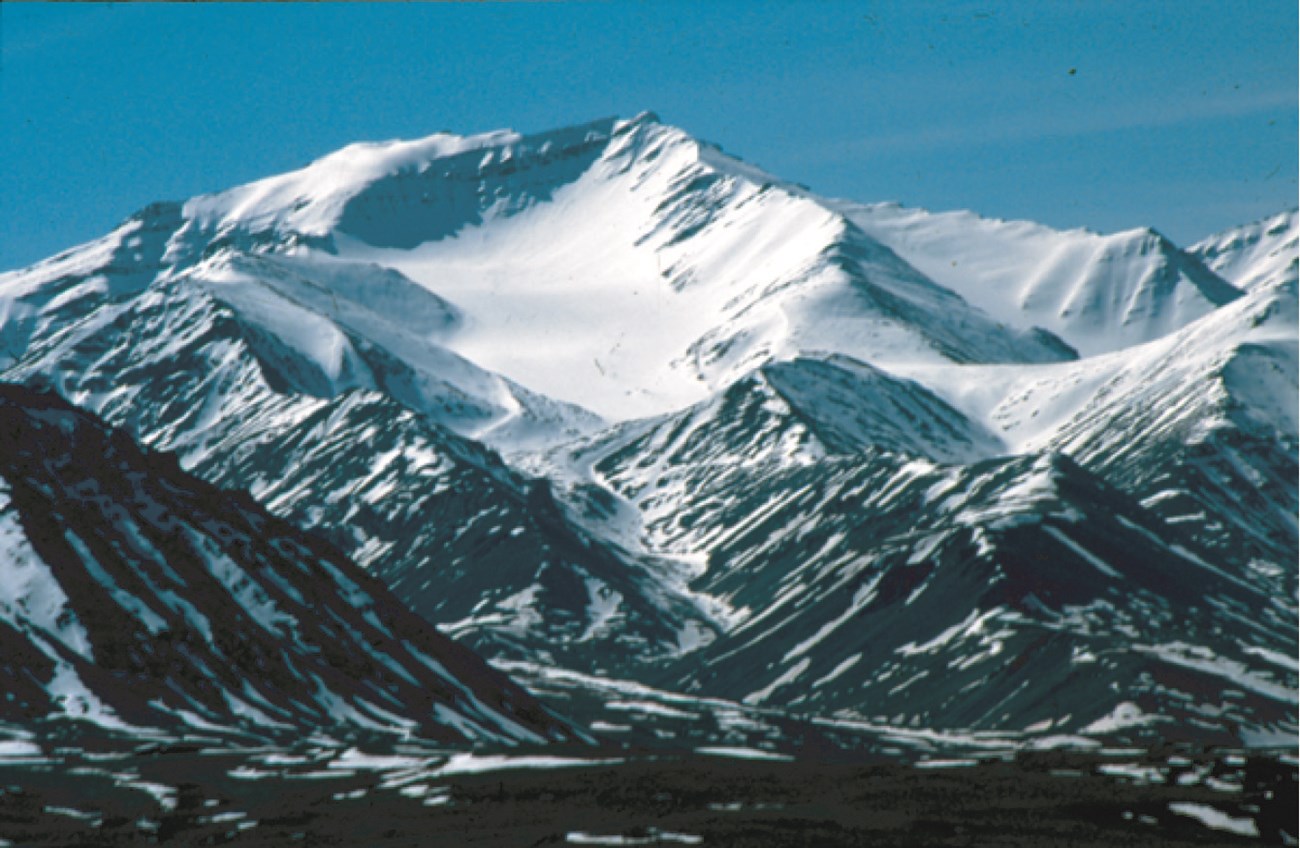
(1182, 116)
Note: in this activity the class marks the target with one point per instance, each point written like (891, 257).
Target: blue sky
(1182, 115)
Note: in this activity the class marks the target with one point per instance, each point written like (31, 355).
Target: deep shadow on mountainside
(142, 597)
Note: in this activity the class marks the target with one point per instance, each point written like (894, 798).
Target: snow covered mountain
(387, 482)
(610, 399)
(1258, 254)
(1199, 424)
(134, 598)
(621, 266)
(874, 578)
(1100, 293)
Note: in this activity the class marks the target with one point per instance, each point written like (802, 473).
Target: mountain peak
(322, 197)
(1261, 253)
(642, 118)
(1099, 293)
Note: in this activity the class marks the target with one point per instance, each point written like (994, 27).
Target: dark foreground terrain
(185, 795)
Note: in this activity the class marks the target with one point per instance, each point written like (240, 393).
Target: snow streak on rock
(141, 600)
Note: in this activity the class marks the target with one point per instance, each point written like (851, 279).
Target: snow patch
(1215, 819)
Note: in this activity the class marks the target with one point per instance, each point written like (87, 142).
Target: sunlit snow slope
(1099, 293)
(1254, 255)
(621, 266)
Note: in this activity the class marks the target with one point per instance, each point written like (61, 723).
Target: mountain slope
(461, 538)
(1200, 424)
(1000, 595)
(1254, 255)
(670, 474)
(1098, 293)
(137, 597)
(552, 243)
(831, 558)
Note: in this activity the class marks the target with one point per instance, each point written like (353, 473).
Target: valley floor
(186, 795)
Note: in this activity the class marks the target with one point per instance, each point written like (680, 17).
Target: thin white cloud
(1066, 123)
